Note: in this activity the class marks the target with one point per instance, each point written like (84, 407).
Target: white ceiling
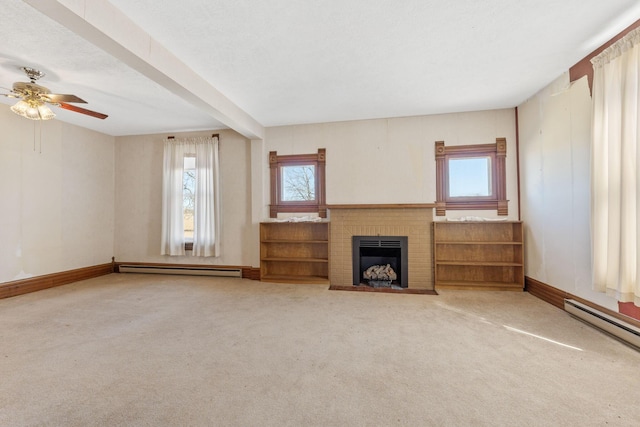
(289, 61)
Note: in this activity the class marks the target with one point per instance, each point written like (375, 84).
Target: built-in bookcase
(294, 252)
(484, 255)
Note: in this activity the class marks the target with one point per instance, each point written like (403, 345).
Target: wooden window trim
(276, 162)
(498, 199)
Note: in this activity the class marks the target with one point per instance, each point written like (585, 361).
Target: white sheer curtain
(615, 181)
(172, 198)
(206, 213)
(206, 241)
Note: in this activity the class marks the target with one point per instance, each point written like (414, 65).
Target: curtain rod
(215, 135)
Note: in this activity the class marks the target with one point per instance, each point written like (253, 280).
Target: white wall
(139, 200)
(57, 205)
(391, 161)
(554, 128)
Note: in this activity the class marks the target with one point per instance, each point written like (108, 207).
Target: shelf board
(485, 286)
(296, 241)
(294, 259)
(477, 243)
(279, 278)
(490, 223)
(481, 263)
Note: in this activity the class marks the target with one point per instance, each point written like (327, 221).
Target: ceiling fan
(34, 99)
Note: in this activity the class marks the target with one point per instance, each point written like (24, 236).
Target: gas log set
(380, 275)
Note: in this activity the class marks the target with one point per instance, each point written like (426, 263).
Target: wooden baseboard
(556, 297)
(545, 292)
(251, 273)
(33, 284)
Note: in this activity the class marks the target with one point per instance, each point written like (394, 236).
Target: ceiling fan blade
(10, 93)
(56, 98)
(82, 111)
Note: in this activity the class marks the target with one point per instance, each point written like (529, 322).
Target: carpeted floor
(151, 350)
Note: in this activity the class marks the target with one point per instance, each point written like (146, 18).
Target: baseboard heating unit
(603, 321)
(187, 270)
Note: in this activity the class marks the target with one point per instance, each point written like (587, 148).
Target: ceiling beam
(104, 25)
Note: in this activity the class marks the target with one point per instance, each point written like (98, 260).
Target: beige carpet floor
(151, 350)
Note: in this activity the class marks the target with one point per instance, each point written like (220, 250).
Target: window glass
(189, 195)
(298, 183)
(470, 177)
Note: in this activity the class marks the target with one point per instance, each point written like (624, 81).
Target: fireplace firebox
(372, 251)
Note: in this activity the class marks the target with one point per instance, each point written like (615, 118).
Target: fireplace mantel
(385, 206)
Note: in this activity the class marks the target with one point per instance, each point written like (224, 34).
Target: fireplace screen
(380, 261)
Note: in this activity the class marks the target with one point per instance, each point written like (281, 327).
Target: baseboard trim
(557, 296)
(38, 283)
(545, 292)
(251, 273)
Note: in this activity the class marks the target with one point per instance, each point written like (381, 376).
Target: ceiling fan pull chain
(39, 132)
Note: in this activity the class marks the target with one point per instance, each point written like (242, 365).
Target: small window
(297, 183)
(189, 198)
(471, 177)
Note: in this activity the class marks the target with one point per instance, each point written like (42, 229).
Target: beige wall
(139, 200)
(554, 130)
(403, 148)
(369, 161)
(392, 160)
(57, 205)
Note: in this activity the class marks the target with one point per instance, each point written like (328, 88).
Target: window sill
(501, 206)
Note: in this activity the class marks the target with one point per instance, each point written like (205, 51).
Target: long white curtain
(172, 198)
(615, 180)
(206, 215)
(206, 241)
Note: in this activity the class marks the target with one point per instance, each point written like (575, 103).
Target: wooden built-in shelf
(294, 252)
(484, 255)
(481, 243)
(486, 286)
(302, 242)
(481, 263)
(295, 279)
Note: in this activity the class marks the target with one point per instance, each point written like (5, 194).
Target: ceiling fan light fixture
(32, 113)
(45, 112)
(20, 108)
(34, 99)
(33, 110)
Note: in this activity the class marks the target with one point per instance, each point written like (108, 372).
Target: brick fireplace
(413, 221)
